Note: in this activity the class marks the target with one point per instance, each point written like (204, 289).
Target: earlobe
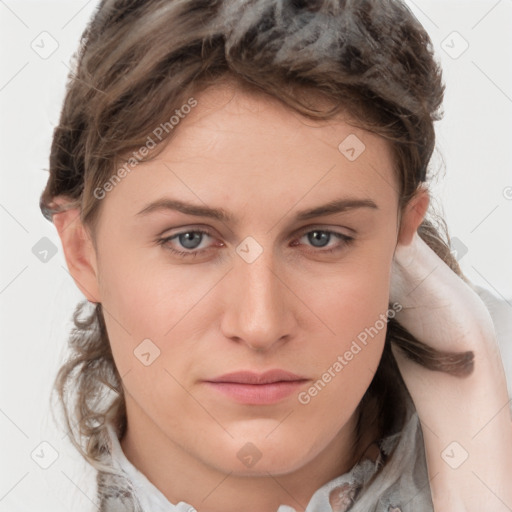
(413, 215)
(79, 252)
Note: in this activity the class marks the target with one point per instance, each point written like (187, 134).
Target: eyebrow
(334, 206)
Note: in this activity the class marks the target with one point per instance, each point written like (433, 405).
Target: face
(265, 283)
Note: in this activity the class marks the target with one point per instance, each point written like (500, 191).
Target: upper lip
(246, 377)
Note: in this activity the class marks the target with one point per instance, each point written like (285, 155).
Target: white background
(474, 191)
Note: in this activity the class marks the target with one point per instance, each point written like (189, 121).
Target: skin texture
(294, 307)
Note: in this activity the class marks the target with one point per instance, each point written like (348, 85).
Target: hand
(460, 416)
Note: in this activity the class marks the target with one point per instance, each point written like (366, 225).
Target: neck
(181, 476)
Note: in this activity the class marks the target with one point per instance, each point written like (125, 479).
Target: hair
(140, 60)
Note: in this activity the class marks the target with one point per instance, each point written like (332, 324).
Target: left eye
(192, 239)
(323, 236)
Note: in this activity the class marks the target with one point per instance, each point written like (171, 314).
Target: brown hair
(140, 60)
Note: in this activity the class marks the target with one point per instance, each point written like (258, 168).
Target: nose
(258, 305)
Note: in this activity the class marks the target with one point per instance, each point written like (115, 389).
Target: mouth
(257, 389)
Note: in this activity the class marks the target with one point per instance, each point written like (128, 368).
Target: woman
(207, 152)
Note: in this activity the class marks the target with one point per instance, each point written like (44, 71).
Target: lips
(268, 377)
(254, 388)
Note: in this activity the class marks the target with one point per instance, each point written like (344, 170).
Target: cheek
(147, 299)
(129, 305)
(147, 308)
(354, 298)
(353, 305)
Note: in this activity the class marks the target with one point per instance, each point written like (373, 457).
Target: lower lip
(257, 394)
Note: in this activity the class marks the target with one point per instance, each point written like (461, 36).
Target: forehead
(246, 117)
(241, 146)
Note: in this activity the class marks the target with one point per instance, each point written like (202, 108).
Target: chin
(260, 459)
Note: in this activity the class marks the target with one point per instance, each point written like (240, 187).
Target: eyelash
(347, 241)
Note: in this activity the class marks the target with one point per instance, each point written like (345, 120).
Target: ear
(78, 249)
(413, 215)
